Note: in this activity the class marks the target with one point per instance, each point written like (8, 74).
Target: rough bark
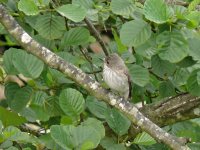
(173, 109)
(174, 2)
(87, 82)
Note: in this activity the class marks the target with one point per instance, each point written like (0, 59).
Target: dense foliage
(159, 42)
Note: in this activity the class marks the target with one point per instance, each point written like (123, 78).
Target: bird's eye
(107, 61)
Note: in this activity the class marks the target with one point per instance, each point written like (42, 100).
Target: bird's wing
(129, 83)
(126, 73)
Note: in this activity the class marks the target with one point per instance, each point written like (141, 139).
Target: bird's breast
(115, 80)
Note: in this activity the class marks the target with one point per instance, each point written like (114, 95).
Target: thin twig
(158, 77)
(88, 58)
(98, 71)
(97, 35)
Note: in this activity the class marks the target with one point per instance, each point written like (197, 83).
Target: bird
(116, 75)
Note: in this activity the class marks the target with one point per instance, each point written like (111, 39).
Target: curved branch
(97, 35)
(176, 2)
(86, 81)
(87, 57)
(172, 110)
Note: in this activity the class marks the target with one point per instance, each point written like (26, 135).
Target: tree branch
(175, 2)
(172, 110)
(97, 35)
(86, 81)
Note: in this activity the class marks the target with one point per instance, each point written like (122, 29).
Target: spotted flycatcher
(116, 76)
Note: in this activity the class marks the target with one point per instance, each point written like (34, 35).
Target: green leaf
(6, 144)
(172, 46)
(27, 64)
(49, 142)
(194, 146)
(75, 36)
(144, 139)
(8, 61)
(18, 61)
(193, 4)
(62, 135)
(14, 134)
(29, 114)
(193, 19)
(27, 148)
(157, 11)
(50, 26)
(21, 99)
(186, 62)
(147, 49)
(166, 89)
(180, 11)
(110, 144)
(96, 107)
(40, 112)
(134, 33)
(87, 139)
(139, 75)
(10, 131)
(12, 148)
(192, 84)
(52, 103)
(95, 124)
(71, 102)
(161, 67)
(157, 146)
(17, 97)
(39, 98)
(22, 137)
(198, 77)
(117, 147)
(94, 9)
(66, 120)
(107, 142)
(69, 58)
(42, 3)
(84, 137)
(120, 47)
(2, 29)
(122, 7)
(73, 12)
(10, 90)
(10, 118)
(31, 20)
(194, 45)
(29, 7)
(50, 44)
(1, 125)
(1, 73)
(187, 129)
(87, 4)
(180, 76)
(117, 122)
(56, 76)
